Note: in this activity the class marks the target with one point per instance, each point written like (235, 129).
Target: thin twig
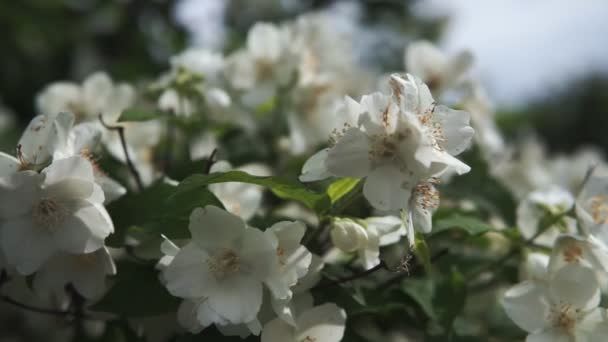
(123, 142)
(410, 270)
(363, 274)
(210, 162)
(23, 306)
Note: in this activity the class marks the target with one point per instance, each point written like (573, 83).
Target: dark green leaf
(137, 292)
(138, 114)
(421, 291)
(449, 298)
(281, 188)
(159, 209)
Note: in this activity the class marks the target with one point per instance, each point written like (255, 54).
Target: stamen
(49, 213)
(224, 263)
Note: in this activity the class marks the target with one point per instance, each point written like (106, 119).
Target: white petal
(455, 129)
(187, 316)
(25, 245)
(387, 188)
(315, 167)
(8, 164)
(73, 167)
(278, 331)
(349, 157)
(85, 230)
(550, 335)
(188, 275)
(258, 251)
(527, 306)
(237, 298)
(43, 135)
(322, 323)
(212, 227)
(18, 193)
(576, 285)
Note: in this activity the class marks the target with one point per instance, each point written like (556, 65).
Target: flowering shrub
(285, 193)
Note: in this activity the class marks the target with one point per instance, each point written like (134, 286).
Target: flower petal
(315, 167)
(387, 188)
(212, 227)
(527, 306)
(350, 155)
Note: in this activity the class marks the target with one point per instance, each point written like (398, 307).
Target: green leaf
(138, 115)
(281, 188)
(468, 224)
(449, 299)
(137, 292)
(421, 291)
(157, 210)
(339, 188)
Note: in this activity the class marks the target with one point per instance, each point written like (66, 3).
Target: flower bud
(348, 236)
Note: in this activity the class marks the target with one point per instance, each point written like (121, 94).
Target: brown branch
(210, 161)
(121, 133)
(355, 276)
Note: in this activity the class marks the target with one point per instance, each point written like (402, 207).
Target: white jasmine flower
(592, 205)
(537, 205)
(60, 209)
(401, 140)
(577, 250)
(263, 65)
(81, 141)
(97, 95)
(240, 199)
(562, 310)
(224, 266)
(201, 62)
(171, 101)
(425, 60)
(324, 323)
(86, 272)
(293, 258)
(524, 169)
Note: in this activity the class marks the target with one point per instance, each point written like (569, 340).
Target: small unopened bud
(348, 236)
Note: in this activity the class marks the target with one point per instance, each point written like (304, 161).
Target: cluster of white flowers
(296, 87)
(560, 294)
(52, 217)
(229, 269)
(400, 143)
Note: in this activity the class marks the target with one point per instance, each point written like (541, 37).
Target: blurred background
(544, 62)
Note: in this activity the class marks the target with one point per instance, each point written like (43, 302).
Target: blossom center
(434, 128)
(572, 253)
(564, 317)
(427, 196)
(224, 263)
(49, 213)
(599, 209)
